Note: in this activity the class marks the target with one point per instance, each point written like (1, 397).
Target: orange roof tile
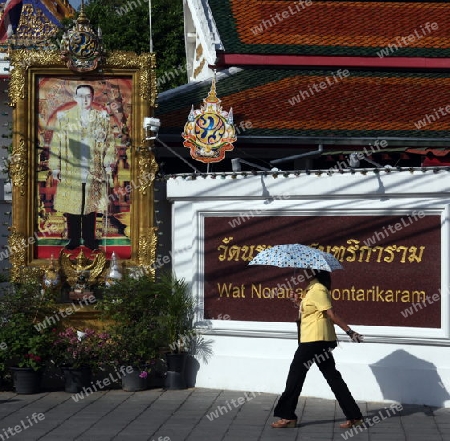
(319, 103)
(333, 27)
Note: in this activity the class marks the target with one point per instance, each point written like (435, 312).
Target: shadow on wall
(404, 378)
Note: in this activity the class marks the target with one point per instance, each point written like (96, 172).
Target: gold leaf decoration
(17, 246)
(198, 52)
(17, 166)
(147, 169)
(145, 64)
(147, 250)
(31, 274)
(199, 68)
(22, 60)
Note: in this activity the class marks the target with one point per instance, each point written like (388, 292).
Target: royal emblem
(209, 132)
(81, 47)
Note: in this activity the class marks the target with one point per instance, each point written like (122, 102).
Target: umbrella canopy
(296, 256)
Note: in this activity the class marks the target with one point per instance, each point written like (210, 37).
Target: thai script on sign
(236, 252)
(353, 252)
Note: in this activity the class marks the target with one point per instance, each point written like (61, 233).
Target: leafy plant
(77, 349)
(26, 346)
(24, 342)
(177, 312)
(131, 307)
(145, 316)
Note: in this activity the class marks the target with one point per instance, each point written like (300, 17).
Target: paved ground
(202, 415)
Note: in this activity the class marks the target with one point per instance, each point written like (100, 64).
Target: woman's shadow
(405, 378)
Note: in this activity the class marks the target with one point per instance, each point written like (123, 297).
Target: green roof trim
(332, 133)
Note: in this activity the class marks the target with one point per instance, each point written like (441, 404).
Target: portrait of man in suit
(81, 159)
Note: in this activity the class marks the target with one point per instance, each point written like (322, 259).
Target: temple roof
(327, 104)
(280, 67)
(351, 28)
(40, 20)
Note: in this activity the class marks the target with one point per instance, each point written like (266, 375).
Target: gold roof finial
(82, 18)
(212, 97)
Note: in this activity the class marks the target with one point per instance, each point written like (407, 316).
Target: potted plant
(25, 336)
(176, 322)
(79, 354)
(131, 307)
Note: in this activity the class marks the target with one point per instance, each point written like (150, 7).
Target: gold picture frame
(29, 69)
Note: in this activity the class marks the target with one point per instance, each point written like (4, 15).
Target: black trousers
(318, 352)
(81, 227)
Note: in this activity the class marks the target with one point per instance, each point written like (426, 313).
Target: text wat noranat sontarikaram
(373, 294)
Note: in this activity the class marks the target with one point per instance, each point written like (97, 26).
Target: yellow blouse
(315, 324)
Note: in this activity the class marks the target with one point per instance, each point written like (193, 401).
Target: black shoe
(88, 231)
(92, 245)
(73, 230)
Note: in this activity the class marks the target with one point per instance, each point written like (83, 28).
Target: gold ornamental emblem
(210, 131)
(81, 47)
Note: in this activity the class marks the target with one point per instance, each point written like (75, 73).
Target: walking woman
(317, 340)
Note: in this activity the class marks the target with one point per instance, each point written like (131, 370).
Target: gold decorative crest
(209, 132)
(81, 47)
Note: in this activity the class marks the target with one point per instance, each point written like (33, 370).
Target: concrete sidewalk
(203, 415)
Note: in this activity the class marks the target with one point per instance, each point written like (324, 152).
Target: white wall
(410, 365)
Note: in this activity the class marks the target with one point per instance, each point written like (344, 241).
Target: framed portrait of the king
(81, 172)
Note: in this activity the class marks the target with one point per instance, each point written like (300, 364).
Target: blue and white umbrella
(295, 255)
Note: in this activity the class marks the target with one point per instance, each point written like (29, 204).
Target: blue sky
(75, 3)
